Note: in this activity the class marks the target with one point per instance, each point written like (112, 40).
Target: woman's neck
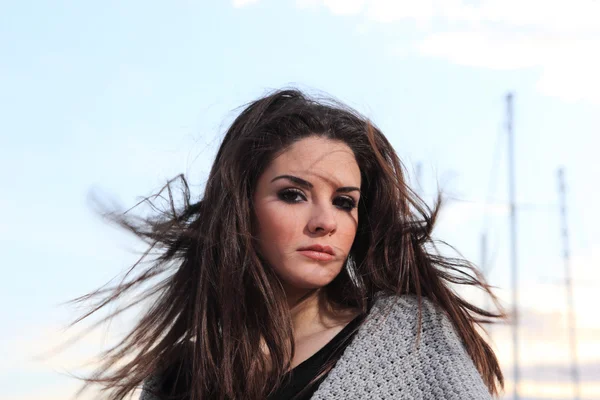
(306, 312)
(312, 319)
(311, 314)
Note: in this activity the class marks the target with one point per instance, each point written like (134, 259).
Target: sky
(115, 98)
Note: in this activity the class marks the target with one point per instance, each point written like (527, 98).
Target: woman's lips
(317, 255)
(318, 252)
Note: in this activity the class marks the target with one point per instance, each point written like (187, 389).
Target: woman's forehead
(324, 159)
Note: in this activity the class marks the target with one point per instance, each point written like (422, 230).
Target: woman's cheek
(281, 227)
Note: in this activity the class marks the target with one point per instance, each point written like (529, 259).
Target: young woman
(305, 270)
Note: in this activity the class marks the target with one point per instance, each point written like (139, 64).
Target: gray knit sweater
(383, 361)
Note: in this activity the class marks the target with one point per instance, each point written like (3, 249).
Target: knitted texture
(384, 360)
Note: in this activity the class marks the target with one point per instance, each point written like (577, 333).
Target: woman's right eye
(291, 195)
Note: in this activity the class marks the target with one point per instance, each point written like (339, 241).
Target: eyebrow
(308, 185)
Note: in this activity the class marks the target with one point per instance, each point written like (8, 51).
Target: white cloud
(568, 65)
(456, 213)
(549, 298)
(559, 38)
(345, 7)
(39, 352)
(394, 10)
(243, 3)
(576, 15)
(543, 335)
(558, 16)
(484, 49)
(66, 391)
(307, 3)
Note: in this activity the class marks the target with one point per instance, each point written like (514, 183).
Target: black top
(296, 380)
(303, 373)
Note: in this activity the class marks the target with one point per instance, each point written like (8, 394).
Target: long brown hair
(218, 299)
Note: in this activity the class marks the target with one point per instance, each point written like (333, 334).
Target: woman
(306, 270)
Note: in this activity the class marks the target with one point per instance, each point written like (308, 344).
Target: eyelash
(284, 195)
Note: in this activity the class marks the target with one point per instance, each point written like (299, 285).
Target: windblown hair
(220, 301)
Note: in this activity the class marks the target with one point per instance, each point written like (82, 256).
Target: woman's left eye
(345, 203)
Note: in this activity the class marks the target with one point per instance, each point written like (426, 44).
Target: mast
(513, 244)
(568, 285)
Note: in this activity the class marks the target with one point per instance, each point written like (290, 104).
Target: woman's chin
(311, 281)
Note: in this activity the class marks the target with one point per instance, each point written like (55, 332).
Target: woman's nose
(322, 221)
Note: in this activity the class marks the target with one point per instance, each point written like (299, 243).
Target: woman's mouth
(318, 252)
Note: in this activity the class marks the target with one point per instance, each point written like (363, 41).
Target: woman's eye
(291, 196)
(345, 203)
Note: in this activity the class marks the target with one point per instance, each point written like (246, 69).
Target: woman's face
(306, 207)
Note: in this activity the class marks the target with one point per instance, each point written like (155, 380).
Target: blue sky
(119, 96)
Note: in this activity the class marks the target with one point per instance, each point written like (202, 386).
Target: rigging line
(490, 259)
(492, 182)
(523, 206)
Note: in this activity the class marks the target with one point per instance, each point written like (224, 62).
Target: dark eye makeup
(345, 203)
(293, 195)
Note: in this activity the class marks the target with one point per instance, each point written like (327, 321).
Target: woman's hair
(218, 302)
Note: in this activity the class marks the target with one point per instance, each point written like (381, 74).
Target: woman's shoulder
(413, 322)
(395, 356)
(406, 311)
